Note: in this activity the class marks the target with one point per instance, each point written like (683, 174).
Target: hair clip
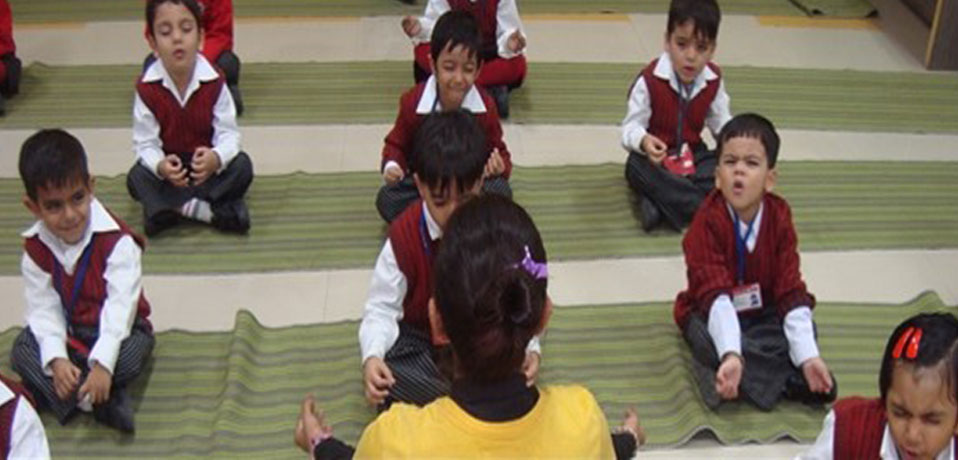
(538, 270)
(910, 338)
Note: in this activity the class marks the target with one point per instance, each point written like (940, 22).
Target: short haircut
(455, 28)
(705, 16)
(755, 126)
(491, 305)
(192, 5)
(937, 347)
(449, 147)
(51, 158)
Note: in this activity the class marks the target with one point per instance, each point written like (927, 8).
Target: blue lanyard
(424, 235)
(741, 243)
(82, 267)
(685, 95)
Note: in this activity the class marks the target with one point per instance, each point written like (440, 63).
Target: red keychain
(681, 162)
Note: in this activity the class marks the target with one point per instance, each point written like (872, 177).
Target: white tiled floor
(339, 148)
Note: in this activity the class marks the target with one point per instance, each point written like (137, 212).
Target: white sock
(197, 209)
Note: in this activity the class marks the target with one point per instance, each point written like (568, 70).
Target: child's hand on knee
(729, 376)
(530, 367)
(516, 42)
(392, 174)
(654, 148)
(205, 164)
(378, 379)
(171, 168)
(97, 385)
(66, 376)
(817, 376)
(411, 25)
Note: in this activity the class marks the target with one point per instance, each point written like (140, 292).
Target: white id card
(747, 297)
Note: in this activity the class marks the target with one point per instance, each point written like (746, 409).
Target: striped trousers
(418, 379)
(25, 356)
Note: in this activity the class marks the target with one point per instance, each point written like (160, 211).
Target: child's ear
(32, 206)
(770, 179)
(151, 40)
(546, 315)
(91, 184)
(438, 332)
(423, 190)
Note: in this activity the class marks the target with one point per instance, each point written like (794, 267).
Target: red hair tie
(910, 338)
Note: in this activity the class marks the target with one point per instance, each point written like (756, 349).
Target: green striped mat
(367, 92)
(320, 221)
(236, 394)
(32, 11)
(835, 8)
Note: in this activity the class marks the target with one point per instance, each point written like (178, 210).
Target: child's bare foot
(630, 423)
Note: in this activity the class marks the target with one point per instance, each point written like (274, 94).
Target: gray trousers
(676, 197)
(25, 357)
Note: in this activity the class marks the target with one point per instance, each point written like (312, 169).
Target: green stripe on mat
(367, 92)
(236, 393)
(32, 11)
(319, 221)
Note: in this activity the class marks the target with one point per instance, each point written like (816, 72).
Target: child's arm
(226, 135)
(27, 436)
(379, 328)
(123, 289)
(217, 28)
(636, 120)
(823, 449)
(434, 9)
(493, 128)
(510, 39)
(146, 137)
(44, 314)
(720, 111)
(399, 139)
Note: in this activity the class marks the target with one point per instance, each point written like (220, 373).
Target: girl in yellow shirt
(491, 250)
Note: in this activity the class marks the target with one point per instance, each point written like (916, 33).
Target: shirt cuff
(105, 351)
(801, 335)
(534, 345)
(724, 328)
(50, 349)
(376, 350)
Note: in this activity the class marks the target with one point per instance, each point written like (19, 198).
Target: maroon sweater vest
(485, 12)
(665, 107)
(859, 428)
(415, 253)
(8, 410)
(93, 292)
(711, 260)
(182, 129)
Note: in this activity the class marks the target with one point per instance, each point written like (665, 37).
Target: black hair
(449, 146)
(938, 346)
(491, 306)
(51, 158)
(755, 126)
(191, 5)
(704, 14)
(455, 28)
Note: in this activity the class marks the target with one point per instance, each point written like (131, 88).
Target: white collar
(100, 221)
(472, 102)
(435, 232)
(203, 71)
(5, 393)
(664, 70)
(743, 226)
(889, 451)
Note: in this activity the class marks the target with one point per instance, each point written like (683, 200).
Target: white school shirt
(147, 144)
(823, 447)
(27, 436)
(379, 328)
(639, 111)
(44, 312)
(507, 22)
(429, 100)
(724, 328)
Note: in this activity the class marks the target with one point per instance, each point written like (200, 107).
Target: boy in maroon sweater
(746, 313)
(394, 336)
(455, 57)
(9, 63)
